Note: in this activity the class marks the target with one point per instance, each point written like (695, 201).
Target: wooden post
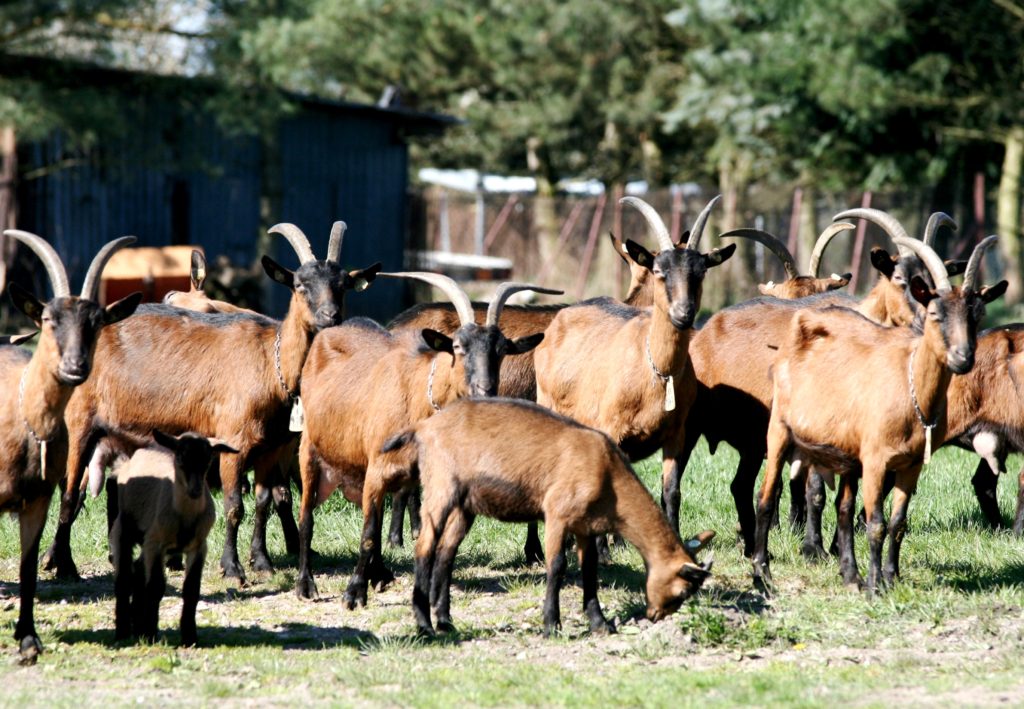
(794, 220)
(588, 253)
(858, 244)
(499, 222)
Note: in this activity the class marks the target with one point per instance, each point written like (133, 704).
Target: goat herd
(832, 384)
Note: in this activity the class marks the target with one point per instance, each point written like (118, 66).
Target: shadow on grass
(289, 636)
(969, 578)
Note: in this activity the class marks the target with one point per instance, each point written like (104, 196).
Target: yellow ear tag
(297, 418)
(200, 275)
(361, 285)
(670, 395)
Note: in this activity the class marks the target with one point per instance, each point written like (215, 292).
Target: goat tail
(398, 441)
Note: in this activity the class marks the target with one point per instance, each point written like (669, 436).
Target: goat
(627, 371)
(165, 369)
(361, 383)
(165, 507)
(796, 285)
(35, 392)
(513, 460)
(884, 392)
(732, 356)
(195, 298)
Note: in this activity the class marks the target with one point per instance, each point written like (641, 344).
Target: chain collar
(650, 360)
(24, 419)
(913, 393)
(277, 367)
(430, 384)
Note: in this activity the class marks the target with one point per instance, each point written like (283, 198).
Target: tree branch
(1011, 7)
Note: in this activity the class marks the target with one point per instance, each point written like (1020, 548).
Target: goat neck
(667, 344)
(288, 346)
(43, 397)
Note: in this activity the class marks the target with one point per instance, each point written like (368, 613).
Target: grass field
(952, 631)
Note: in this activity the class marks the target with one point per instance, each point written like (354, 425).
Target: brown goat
(222, 375)
(165, 507)
(195, 299)
(515, 461)
(627, 371)
(862, 399)
(360, 384)
(35, 391)
(732, 356)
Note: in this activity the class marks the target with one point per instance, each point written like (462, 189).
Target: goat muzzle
(960, 360)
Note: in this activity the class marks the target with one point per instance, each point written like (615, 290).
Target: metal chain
(430, 384)
(913, 393)
(24, 419)
(277, 367)
(650, 360)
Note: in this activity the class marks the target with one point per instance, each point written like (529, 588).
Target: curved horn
(888, 222)
(502, 294)
(54, 266)
(334, 245)
(977, 256)
(822, 243)
(91, 285)
(771, 243)
(297, 239)
(935, 221)
(459, 299)
(931, 260)
(698, 226)
(653, 219)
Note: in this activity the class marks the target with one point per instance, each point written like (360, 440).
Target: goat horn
(502, 294)
(935, 221)
(459, 299)
(888, 222)
(822, 243)
(54, 266)
(91, 285)
(654, 221)
(977, 256)
(334, 245)
(931, 260)
(297, 239)
(771, 243)
(698, 226)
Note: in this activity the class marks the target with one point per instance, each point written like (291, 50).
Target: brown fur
(515, 461)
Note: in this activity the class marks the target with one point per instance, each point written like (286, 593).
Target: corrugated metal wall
(334, 166)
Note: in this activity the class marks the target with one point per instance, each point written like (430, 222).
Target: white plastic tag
(927, 444)
(670, 395)
(42, 460)
(297, 419)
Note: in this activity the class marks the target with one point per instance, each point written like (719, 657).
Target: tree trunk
(1008, 206)
(8, 197)
(736, 274)
(545, 218)
(808, 228)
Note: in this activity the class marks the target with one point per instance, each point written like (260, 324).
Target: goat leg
(767, 502)
(58, 557)
(456, 529)
(876, 528)
(259, 555)
(355, 594)
(813, 547)
(426, 550)
(234, 512)
(399, 501)
(588, 572)
(799, 480)
(846, 509)
(305, 586)
(905, 485)
(121, 556)
(1018, 522)
(742, 488)
(153, 592)
(554, 543)
(532, 548)
(283, 509)
(190, 596)
(31, 521)
(985, 481)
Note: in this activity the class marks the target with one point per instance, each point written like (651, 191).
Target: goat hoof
(30, 649)
(381, 579)
(445, 626)
(306, 588)
(60, 562)
(261, 563)
(396, 541)
(552, 630)
(813, 552)
(232, 569)
(355, 597)
(601, 627)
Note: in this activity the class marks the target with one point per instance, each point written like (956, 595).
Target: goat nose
(681, 316)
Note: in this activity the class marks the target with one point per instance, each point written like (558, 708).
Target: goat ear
(220, 446)
(523, 345)
(198, 273)
(681, 243)
(639, 254)
(694, 544)
(164, 439)
(955, 268)
(841, 282)
(120, 309)
(619, 247)
(765, 288)
(716, 257)
(882, 261)
(278, 272)
(990, 293)
(921, 291)
(437, 341)
(26, 303)
(361, 280)
(694, 574)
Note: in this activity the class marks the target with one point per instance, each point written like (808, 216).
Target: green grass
(951, 631)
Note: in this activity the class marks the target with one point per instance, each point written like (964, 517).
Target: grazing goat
(626, 371)
(861, 399)
(796, 285)
(221, 375)
(165, 507)
(732, 356)
(360, 384)
(516, 461)
(35, 391)
(195, 299)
